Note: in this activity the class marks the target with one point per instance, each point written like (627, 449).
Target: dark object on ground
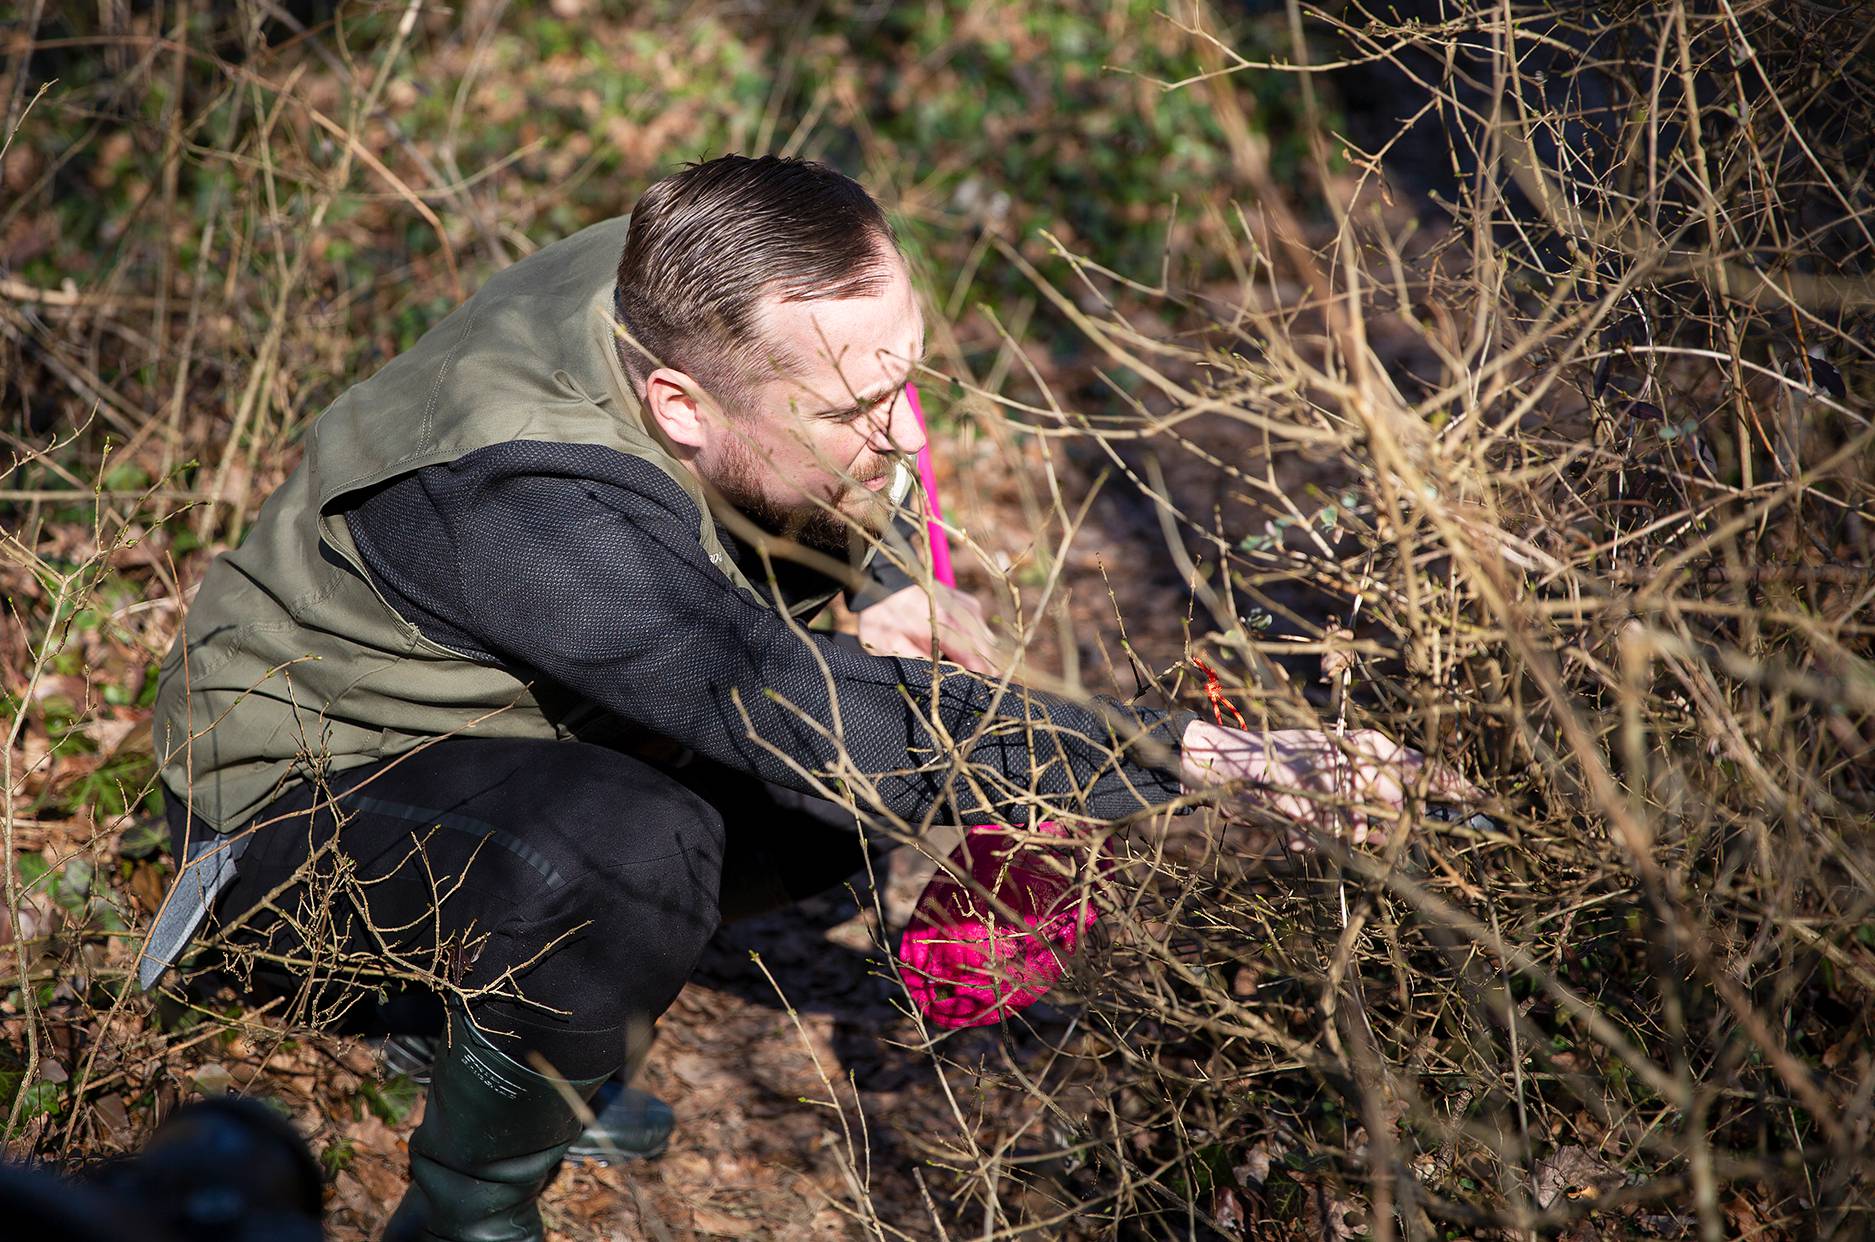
(627, 1124)
(1445, 813)
(227, 1170)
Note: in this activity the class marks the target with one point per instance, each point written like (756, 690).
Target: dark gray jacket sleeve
(601, 585)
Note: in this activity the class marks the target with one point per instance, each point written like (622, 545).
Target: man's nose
(900, 430)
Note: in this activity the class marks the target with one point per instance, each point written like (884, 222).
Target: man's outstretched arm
(583, 565)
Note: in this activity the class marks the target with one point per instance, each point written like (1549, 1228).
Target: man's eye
(847, 418)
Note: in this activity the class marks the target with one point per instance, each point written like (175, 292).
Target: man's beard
(823, 526)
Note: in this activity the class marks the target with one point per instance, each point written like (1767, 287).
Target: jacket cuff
(1171, 730)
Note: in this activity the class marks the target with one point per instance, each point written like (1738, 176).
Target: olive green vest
(291, 665)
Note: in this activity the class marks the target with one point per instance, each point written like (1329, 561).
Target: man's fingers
(964, 632)
(1351, 786)
(974, 660)
(975, 651)
(893, 644)
(1386, 790)
(1442, 780)
(1449, 783)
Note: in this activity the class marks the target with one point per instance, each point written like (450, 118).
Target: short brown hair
(707, 244)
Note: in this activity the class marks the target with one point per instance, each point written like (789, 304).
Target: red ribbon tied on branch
(1214, 691)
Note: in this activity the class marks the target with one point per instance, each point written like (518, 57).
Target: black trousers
(569, 887)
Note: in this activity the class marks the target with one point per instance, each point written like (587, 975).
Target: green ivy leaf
(391, 1099)
(144, 838)
(42, 1099)
(74, 888)
(33, 868)
(337, 1157)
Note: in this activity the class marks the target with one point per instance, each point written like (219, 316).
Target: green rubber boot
(493, 1133)
(627, 1124)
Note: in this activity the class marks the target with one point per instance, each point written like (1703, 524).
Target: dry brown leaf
(113, 1118)
(1254, 1168)
(1336, 659)
(1328, 1215)
(108, 732)
(351, 1192)
(692, 1070)
(147, 885)
(383, 1181)
(369, 1133)
(1226, 1210)
(1571, 1173)
(722, 1224)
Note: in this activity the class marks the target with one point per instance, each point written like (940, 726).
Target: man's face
(813, 452)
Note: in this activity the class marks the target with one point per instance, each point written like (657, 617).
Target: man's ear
(676, 405)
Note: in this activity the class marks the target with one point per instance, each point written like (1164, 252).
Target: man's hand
(1315, 779)
(901, 625)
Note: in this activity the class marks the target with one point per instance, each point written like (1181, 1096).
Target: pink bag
(964, 963)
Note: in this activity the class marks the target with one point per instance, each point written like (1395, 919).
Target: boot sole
(605, 1158)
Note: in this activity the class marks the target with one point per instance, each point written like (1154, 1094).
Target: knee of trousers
(613, 934)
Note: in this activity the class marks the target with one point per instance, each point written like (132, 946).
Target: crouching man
(508, 689)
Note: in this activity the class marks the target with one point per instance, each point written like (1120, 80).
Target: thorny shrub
(1567, 481)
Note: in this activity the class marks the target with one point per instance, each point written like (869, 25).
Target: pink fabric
(940, 542)
(964, 963)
